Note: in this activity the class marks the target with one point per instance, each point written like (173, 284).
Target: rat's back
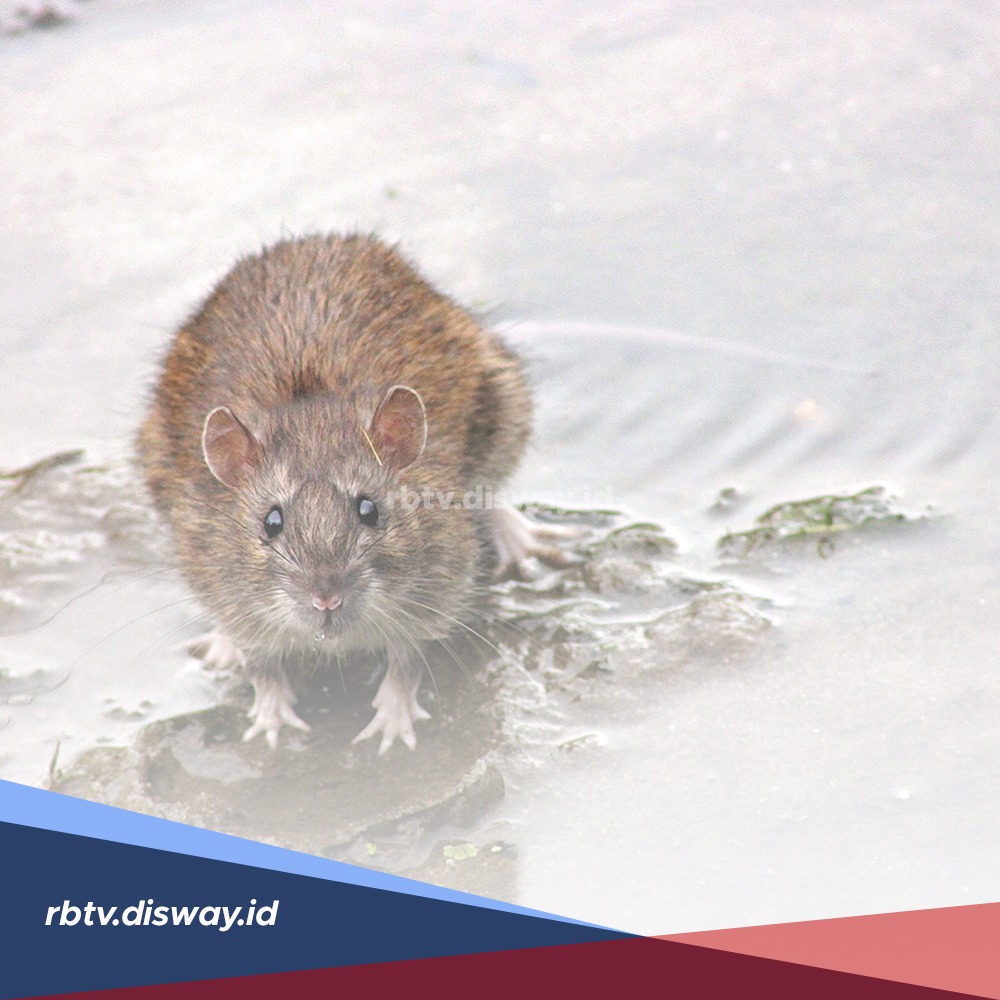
(344, 316)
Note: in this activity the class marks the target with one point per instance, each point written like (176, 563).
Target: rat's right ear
(398, 432)
(231, 451)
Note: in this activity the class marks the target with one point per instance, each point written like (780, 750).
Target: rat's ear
(231, 451)
(399, 428)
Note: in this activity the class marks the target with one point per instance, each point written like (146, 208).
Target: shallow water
(751, 254)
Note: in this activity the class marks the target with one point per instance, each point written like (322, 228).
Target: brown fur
(302, 342)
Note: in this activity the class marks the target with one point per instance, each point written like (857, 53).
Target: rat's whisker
(318, 373)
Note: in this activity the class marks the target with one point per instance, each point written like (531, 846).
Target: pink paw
(517, 538)
(396, 709)
(216, 650)
(272, 709)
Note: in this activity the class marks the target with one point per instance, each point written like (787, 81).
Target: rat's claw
(396, 709)
(272, 709)
(517, 538)
(216, 650)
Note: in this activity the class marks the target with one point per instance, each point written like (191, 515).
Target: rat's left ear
(231, 452)
(399, 428)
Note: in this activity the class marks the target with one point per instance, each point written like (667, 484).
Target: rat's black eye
(368, 512)
(274, 522)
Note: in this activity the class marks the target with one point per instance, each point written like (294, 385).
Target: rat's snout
(330, 602)
(326, 590)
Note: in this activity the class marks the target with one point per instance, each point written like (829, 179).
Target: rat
(313, 437)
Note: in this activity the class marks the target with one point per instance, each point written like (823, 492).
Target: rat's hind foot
(517, 538)
(396, 709)
(216, 650)
(272, 709)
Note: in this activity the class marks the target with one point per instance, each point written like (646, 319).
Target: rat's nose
(329, 603)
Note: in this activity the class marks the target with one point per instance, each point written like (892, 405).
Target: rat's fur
(302, 344)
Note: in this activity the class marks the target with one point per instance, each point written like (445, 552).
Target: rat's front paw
(272, 709)
(216, 650)
(396, 709)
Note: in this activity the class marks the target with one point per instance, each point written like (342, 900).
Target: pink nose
(330, 603)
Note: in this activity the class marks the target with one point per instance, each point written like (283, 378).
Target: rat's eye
(368, 512)
(274, 522)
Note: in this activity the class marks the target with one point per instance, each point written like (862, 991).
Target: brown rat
(321, 389)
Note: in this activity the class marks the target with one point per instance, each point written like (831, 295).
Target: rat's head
(318, 547)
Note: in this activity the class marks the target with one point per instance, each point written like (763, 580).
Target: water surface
(750, 249)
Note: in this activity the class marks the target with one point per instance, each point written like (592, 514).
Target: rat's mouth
(329, 616)
(330, 624)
